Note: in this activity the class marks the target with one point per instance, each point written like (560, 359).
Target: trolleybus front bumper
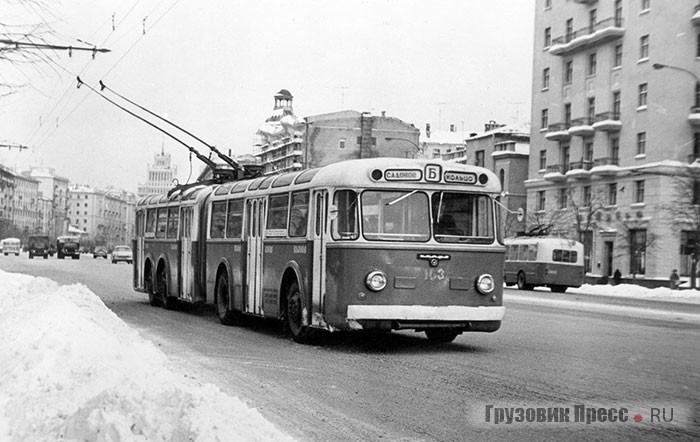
(419, 317)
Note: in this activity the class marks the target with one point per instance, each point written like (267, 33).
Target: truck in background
(68, 246)
(38, 245)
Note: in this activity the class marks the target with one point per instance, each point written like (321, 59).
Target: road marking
(637, 312)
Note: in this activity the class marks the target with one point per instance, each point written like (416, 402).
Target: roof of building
(522, 129)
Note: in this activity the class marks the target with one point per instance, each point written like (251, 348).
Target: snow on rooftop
(73, 370)
(442, 137)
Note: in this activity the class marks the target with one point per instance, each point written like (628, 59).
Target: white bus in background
(556, 263)
(10, 246)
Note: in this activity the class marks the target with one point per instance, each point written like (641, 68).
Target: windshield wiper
(402, 197)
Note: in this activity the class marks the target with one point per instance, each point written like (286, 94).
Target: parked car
(122, 253)
(100, 252)
(38, 245)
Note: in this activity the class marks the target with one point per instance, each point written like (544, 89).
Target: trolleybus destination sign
(403, 175)
(460, 177)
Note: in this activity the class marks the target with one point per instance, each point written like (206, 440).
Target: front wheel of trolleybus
(293, 314)
(226, 315)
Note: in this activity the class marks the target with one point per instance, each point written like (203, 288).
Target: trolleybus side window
(161, 222)
(299, 214)
(172, 222)
(218, 219)
(344, 224)
(234, 223)
(150, 223)
(395, 215)
(277, 215)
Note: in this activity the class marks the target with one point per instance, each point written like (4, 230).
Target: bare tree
(685, 213)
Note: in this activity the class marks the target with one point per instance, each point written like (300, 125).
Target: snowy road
(398, 387)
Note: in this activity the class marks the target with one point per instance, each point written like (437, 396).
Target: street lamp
(419, 150)
(659, 66)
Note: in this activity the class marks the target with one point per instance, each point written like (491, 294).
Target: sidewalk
(631, 291)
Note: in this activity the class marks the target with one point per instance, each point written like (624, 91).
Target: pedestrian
(617, 276)
(675, 279)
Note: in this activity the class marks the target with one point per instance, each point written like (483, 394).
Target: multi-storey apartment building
(54, 188)
(291, 143)
(615, 98)
(106, 217)
(160, 175)
(26, 215)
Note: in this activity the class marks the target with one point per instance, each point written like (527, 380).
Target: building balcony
(556, 132)
(582, 127)
(555, 173)
(694, 116)
(603, 31)
(579, 170)
(606, 166)
(695, 19)
(608, 122)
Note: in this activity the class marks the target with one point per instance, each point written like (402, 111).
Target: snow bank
(639, 292)
(72, 370)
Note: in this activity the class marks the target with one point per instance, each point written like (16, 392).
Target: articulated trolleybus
(382, 244)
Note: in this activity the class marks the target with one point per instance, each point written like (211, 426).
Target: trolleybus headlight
(485, 284)
(376, 281)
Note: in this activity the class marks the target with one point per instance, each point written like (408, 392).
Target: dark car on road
(100, 252)
(68, 246)
(38, 245)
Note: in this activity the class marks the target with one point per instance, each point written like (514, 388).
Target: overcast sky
(213, 67)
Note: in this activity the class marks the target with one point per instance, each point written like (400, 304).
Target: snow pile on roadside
(72, 370)
(639, 292)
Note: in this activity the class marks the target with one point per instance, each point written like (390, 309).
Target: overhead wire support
(14, 146)
(228, 160)
(70, 49)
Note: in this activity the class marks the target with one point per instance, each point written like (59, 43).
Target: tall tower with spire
(160, 174)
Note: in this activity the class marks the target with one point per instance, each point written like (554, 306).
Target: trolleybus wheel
(558, 288)
(223, 300)
(293, 315)
(169, 302)
(440, 335)
(522, 282)
(153, 298)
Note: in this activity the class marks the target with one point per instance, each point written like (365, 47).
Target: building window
(562, 198)
(502, 177)
(568, 71)
(586, 196)
(639, 191)
(479, 160)
(697, 94)
(643, 95)
(696, 146)
(592, 63)
(588, 151)
(547, 4)
(590, 111)
(567, 114)
(617, 57)
(569, 30)
(618, 13)
(545, 78)
(341, 143)
(641, 143)
(646, 5)
(697, 46)
(540, 200)
(547, 37)
(564, 150)
(545, 118)
(616, 104)
(543, 159)
(592, 20)
(638, 251)
(644, 47)
(612, 194)
(615, 149)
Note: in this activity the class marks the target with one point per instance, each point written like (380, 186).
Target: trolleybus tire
(293, 316)
(522, 282)
(226, 316)
(441, 335)
(153, 298)
(558, 288)
(169, 302)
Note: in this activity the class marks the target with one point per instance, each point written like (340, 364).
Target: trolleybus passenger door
(138, 248)
(318, 289)
(186, 266)
(255, 217)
